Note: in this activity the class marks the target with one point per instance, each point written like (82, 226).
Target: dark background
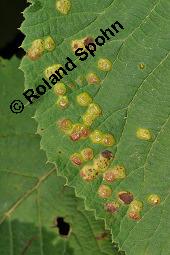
(10, 20)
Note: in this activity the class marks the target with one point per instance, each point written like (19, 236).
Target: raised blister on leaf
(63, 6)
(84, 99)
(125, 197)
(94, 109)
(88, 119)
(87, 154)
(143, 134)
(136, 205)
(96, 136)
(63, 102)
(107, 154)
(88, 40)
(104, 64)
(91, 114)
(36, 49)
(141, 66)
(92, 78)
(79, 131)
(119, 172)
(104, 191)
(108, 140)
(88, 173)
(111, 207)
(154, 199)
(76, 159)
(109, 176)
(135, 209)
(75, 135)
(49, 43)
(77, 44)
(51, 70)
(134, 215)
(65, 125)
(102, 162)
(60, 89)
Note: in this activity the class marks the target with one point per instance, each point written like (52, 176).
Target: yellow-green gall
(108, 140)
(104, 65)
(49, 43)
(39, 44)
(63, 102)
(79, 131)
(103, 161)
(60, 89)
(63, 6)
(87, 154)
(88, 119)
(51, 70)
(91, 114)
(76, 159)
(36, 49)
(88, 173)
(154, 199)
(136, 206)
(94, 109)
(84, 99)
(104, 191)
(92, 78)
(119, 172)
(141, 66)
(101, 164)
(144, 134)
(96, 136)
(76, 44)
(134, 210)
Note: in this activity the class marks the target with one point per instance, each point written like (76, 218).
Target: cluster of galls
(75, 131)
(39, 46)
(115, 173)
(84, 46)
(60, 90)
(123, 198)
(134, 211)
(85, 155)
(98, 166)
(98, 137)
(93, 110)
(126, 198)
(81, 43)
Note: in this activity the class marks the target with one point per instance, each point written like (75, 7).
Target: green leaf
(135, 101)
(32, 196)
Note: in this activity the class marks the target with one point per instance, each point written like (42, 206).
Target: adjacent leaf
(135, 101)
(32, 197)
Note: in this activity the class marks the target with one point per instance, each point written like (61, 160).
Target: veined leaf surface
(135, 101)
